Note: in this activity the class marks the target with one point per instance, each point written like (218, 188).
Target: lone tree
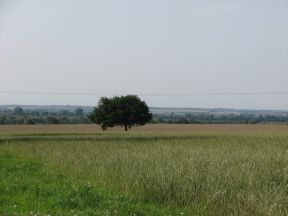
(127, 111)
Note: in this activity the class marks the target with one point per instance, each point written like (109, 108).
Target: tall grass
(206, 174)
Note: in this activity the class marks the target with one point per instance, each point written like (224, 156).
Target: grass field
(153, 170)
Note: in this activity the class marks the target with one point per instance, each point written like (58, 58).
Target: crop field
(151, 170)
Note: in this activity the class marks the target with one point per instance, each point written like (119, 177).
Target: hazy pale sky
(145, 47)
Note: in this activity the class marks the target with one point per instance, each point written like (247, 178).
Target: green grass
(26, 188)
(152, 174)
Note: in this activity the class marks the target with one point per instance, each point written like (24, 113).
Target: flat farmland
(154, 128)
(152, 170)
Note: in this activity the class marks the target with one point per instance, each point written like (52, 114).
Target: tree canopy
(127, 111)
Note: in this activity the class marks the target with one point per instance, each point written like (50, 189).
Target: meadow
(151, 170)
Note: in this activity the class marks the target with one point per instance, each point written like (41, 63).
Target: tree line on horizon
(22, 116)
(127, 111)
(18, 115)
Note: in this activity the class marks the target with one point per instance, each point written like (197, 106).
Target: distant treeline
(41, 116)
(207, 118)
(19, 115)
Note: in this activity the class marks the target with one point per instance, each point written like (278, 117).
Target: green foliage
(52, 120)
(39, 116)
(30, 121)
(77, 115)
(197, 174)
(198, 118)
(125, 110)
(27, 188)
(81, 196)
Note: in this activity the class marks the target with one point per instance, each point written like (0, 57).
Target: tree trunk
(126, 127)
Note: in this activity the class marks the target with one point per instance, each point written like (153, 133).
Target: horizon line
(157, 107)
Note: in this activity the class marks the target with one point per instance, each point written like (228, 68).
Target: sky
(173, 53)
